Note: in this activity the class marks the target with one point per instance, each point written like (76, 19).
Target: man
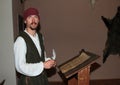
(30, 59)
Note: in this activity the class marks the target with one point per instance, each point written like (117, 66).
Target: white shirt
(20, 49)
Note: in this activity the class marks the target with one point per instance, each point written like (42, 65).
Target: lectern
(76, 71)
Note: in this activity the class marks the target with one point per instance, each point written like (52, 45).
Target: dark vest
(32, 56)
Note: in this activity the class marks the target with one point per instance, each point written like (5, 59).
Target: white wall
(7, 70)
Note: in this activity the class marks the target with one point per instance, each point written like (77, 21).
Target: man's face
(32, 22)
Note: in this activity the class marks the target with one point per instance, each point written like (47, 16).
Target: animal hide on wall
(112, 45)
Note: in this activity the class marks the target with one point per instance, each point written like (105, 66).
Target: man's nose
(33, 19)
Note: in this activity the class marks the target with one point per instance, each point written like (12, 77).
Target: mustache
(33, 23)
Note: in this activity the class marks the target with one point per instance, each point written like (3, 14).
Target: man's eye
(34, 16)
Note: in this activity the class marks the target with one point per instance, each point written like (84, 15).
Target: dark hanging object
(2, 83)
(112, 45)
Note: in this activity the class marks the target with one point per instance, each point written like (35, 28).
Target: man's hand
(49, 64)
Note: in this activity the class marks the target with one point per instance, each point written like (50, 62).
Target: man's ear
(24, 21)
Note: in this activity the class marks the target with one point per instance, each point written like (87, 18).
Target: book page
(74, 63)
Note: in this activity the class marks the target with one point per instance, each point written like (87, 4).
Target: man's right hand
(49, 64)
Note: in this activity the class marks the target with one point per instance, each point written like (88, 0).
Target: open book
(80, 61)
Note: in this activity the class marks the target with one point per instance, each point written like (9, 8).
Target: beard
(33, 26)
